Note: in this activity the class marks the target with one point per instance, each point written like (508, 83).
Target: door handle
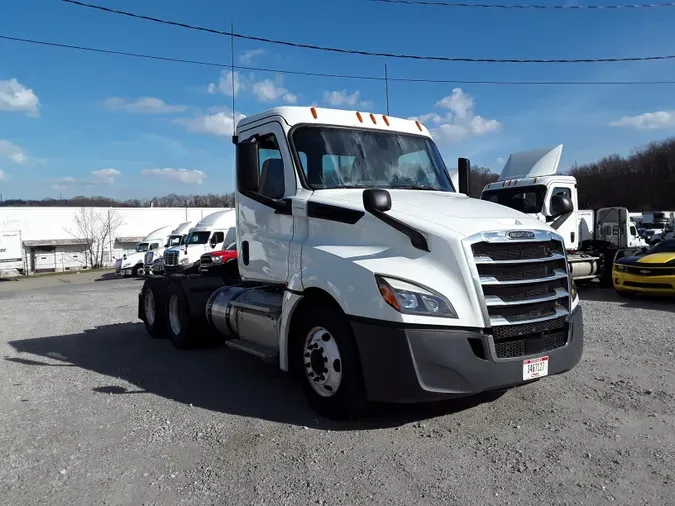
(244, 252)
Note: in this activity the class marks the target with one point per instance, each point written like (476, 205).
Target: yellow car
(652, 272)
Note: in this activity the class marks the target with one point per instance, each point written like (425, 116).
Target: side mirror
(213, 242)
(464, 175)
(376, 199)
(248, 172)
(561, 205)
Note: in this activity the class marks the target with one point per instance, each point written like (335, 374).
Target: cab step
(253, 349)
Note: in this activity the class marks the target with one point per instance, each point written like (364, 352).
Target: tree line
(644, 180)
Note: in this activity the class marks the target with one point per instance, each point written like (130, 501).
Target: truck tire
(138, 271)
(153, 313)
(327, 363)
(177, 316)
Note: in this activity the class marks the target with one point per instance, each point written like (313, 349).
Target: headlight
(184, 261)
(619, 268)
(410, 298)
(217, 260)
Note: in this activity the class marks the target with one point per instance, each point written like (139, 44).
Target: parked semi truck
(529, 183)
(213, 232)
(364, 272)
(132, 264)
(153, 263)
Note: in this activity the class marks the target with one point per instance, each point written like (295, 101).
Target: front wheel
(327, 362)
(139, 271)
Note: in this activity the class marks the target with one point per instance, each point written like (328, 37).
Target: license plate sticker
(535, 368)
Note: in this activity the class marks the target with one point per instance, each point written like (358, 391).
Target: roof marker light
(358, 115)
(313, 112)
(418, 125)
(386, 120)
(372, 117)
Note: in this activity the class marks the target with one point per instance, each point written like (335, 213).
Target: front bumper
(657, 285)
(416, 364)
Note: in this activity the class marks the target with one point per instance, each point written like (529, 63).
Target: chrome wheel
(149, 305)
(323, 364)
(175, 315)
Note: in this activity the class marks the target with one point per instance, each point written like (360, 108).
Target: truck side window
(563, 192)
(217, 238)
(272, 182)
(633, 231)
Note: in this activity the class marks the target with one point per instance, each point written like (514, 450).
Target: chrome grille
(170, 258)
(206, 259)
(524, 286)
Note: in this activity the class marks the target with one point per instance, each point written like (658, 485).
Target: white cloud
(98, 177)
(247, 56)
(218, 123)
(15, 97)
(647, 121)
(13, 152)
(501, 160)
(267, 90)
(342, 98)
(224, 84)
(3, 176)
(459, 122)
(142, 105)
(106, 176)
(186, 176)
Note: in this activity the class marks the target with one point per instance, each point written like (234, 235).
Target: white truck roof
(160, 233)
(295, 115)
(219, 219)
(183, 228)
(532, 163)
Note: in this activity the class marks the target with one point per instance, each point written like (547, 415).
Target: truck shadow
(217, 379)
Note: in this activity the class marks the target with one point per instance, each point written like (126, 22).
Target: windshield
(528, 199)
(198, 238)
(175, 240)
(346, 158)
(667, 246)
(142, 247)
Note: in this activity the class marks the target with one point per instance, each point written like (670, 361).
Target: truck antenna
(234, 123)
(386, 87)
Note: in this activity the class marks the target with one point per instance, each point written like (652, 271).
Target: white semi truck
(153, 261)
(529, 183)
(369, 276)
(11, 253)
(132, 264)
(213, 232)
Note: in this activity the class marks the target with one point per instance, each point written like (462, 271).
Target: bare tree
(95, 228)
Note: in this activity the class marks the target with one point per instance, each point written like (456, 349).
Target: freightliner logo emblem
(521, 234)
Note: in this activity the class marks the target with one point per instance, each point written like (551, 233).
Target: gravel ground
(92, 411)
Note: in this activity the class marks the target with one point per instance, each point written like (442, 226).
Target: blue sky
(74, 123)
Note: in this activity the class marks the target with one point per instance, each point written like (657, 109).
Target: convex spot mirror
(561, 205)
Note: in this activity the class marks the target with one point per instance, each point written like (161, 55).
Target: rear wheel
(328, 365)
(153, 315)
(178, 321)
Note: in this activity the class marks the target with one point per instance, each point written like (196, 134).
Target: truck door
(567, 228)
(263, 235)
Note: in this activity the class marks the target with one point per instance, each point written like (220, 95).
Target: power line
(364, 53)
(528, 6)
(324, 74)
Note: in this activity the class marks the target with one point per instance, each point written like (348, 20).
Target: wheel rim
(150, 307)
(322, 362)
(140, 271)
(174, 315)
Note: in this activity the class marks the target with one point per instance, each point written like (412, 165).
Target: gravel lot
(92, 411)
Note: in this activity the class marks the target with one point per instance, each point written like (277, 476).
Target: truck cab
(529, 183)
(133, 264)
(367, 275)
(152, 261)
(211, 233)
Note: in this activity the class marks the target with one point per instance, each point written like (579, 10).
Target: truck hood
(133, 258)
(454, 211)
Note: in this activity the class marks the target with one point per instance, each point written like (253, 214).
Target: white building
(51, 240)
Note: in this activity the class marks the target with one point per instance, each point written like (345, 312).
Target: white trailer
(11, 253)
(374, 278)
(530, 183)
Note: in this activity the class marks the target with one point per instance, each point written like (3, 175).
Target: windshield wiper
(415, 187)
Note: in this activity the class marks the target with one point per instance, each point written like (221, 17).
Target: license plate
(535, 368)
